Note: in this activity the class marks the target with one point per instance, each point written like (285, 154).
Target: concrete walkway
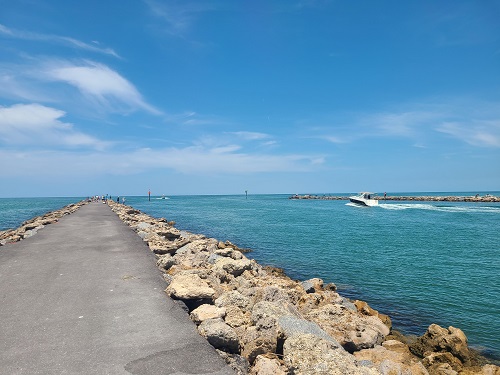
(84, 296)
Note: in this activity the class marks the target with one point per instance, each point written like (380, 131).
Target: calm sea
(420, 263)
(13, 211)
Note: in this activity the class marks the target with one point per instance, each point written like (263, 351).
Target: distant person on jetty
(118, 200)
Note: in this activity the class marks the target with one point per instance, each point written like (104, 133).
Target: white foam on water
(355, 205)
(440, 208)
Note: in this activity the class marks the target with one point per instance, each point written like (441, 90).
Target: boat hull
(364, 202)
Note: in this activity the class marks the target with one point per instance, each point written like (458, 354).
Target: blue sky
(219, 97)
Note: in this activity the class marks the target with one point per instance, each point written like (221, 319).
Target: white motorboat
(364, 199)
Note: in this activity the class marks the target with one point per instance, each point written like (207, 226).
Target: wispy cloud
(402, 124)
(97, 86)
(477, 133)
(62, 40)
(191, 160)
(40, 126)
(250, 136)
(98, 82)
(179, 16)
(334, 139)
(471, 121)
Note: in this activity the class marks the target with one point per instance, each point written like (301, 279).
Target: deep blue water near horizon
(418, 262)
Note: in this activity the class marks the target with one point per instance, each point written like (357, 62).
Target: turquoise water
(420, 263)
(13, 211)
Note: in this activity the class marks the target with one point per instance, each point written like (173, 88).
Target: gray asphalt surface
(84, 296)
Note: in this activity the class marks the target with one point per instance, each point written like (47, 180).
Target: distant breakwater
(474, 198)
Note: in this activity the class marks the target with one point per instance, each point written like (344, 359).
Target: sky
(223, 97)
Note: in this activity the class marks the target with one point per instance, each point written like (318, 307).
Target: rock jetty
(30, 227)
(262, 322)
(451, 198)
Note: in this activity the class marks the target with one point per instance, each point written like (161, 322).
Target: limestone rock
(274, 294)
(434, 362)
(239, 364)
(233, 298)
(351, 329)
(236, 317)
(161, 247)
(142, 226)
(289, 326)
(267, 366)
(169, 233)
(232, 266)
(204, 312)
(265, 314)
(312, 301)
(164, 262)
(365, 309)
(220, 335)
(388, 361)
(264, 342)
(438, 339)
(186, 286)
(309, 354)
(312, 285)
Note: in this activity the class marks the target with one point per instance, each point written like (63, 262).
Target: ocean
(418, 262)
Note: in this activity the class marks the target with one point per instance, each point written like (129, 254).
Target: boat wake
(356, 205)
(440, 208)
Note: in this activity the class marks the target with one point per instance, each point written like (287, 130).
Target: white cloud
(71, 42)
(51, 81)
(38, 125)
(191, 160)
(476, 133)
(98, 82)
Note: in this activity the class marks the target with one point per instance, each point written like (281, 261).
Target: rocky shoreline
(262, 322)
(451, 198)
(30, 227)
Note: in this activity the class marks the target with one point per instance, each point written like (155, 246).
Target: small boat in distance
(364, 199)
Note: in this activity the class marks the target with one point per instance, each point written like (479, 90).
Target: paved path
(84, 296)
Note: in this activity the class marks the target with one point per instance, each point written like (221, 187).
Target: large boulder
(393, 357)
(289, 326)
(233, 266)
(236, 317)
(352, 330)
(437, 339)
(160, 246)
(189, 286)
(257, 341)
(265, 314)
(220, 335)
(309, 354)
(204, 312)
(233, 298)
